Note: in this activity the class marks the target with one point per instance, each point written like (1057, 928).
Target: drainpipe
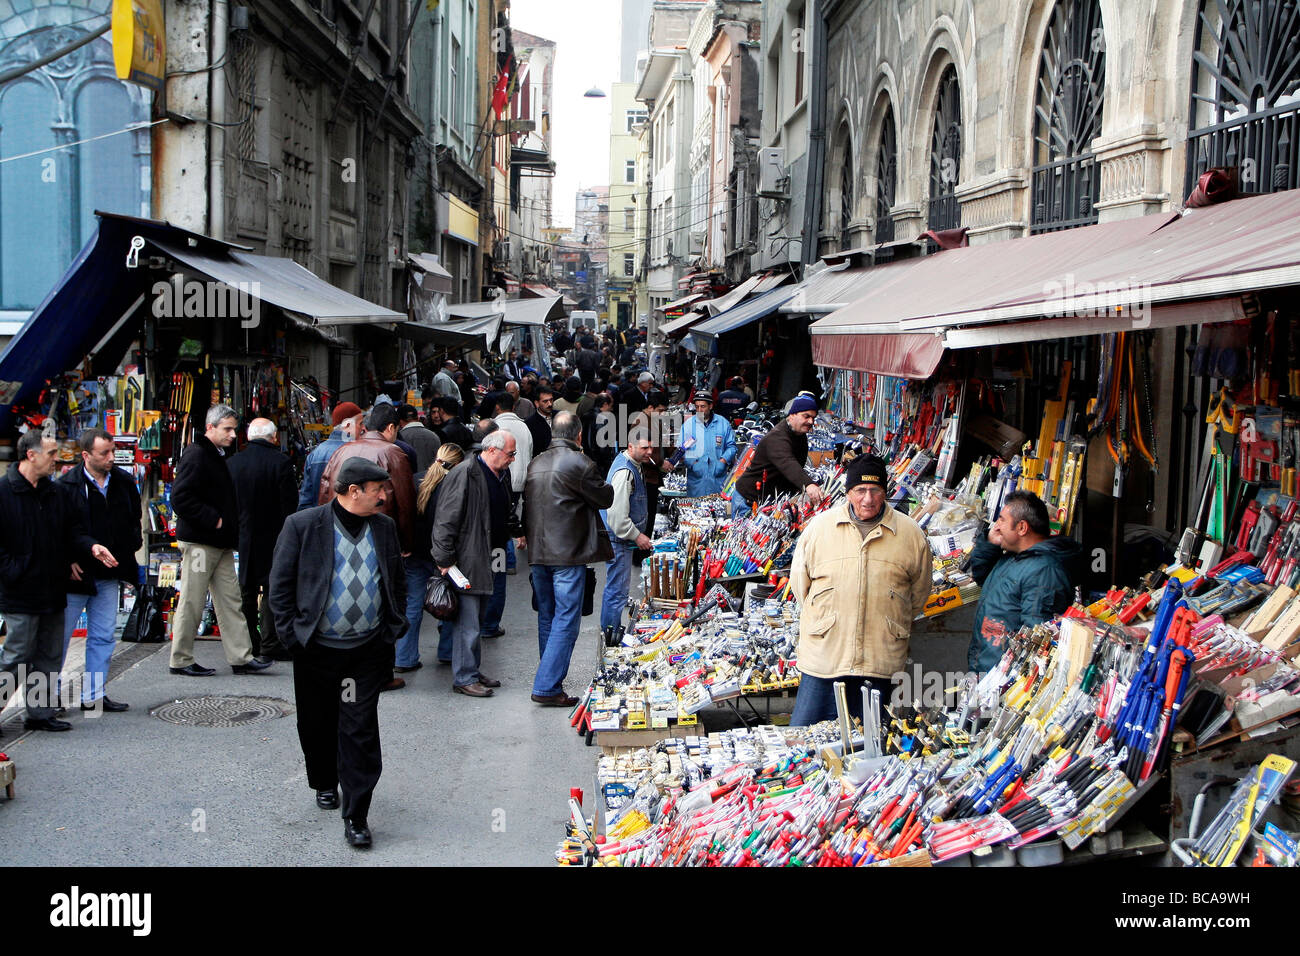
(217, 114)
(812, 207)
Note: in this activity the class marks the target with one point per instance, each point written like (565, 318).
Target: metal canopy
(513, 311)
(467, 333)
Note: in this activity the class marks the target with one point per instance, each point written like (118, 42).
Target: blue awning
(703, 337)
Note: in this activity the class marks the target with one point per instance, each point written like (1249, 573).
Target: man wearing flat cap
(340, 617)
(861, 573)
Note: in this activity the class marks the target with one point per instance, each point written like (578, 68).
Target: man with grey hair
(634, 397)
(524, 407)
(207, 531)
(444, 384)
(471, 526)
(265, 492)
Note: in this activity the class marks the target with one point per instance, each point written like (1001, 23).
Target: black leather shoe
(327, 799)
(488, 681)
(255, 666)
(499, 632)
(407, 670)
(106, 704)
(47, 723)
(356, 832)
(193, 670)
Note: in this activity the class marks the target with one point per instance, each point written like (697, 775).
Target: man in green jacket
(1024, 573)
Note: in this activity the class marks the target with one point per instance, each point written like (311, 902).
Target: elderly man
(777, 465)
(338, 592)
(710, 446)
(41, 534)
(265, 491)
(627, 520)
(444, 383)
(524, 407)
(563, 500)
(861, 573)
(634, 397)
(471, 526)
(207, 530)
(1024, 576)
(109, 507)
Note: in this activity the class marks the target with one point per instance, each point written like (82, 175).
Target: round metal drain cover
(222, 711)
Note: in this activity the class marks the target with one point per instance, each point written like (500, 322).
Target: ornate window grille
(945, 154)
(1071, 94)
(1245, 106)
(846, 193)
(886, 178)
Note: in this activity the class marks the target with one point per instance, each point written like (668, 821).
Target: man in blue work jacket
(710, 446)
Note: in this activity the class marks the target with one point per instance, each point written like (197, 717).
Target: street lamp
(594, 93)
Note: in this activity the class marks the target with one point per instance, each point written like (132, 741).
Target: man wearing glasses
(861, 573)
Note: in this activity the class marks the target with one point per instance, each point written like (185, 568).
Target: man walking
(777, 465)
(109, 508)
(627, 521)
(207, 531)
(444, 382)
(710, 448)
(563, 500)
(1024, 576)
(40, 535)
(338, 592)
(413, 431)
(444, 417)
(470, 528)
(265, 492)
(539, 422)
(733, 401)
(377, 444)
(346, 418)
(861, 573)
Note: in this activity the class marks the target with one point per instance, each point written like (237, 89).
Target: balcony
(1065, 194)
(1258, 146)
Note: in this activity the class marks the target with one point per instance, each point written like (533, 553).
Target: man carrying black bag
(339, 619)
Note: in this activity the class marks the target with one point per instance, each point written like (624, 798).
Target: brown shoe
(488, 681)
(472, 690)
(556, 700)
(395, 684)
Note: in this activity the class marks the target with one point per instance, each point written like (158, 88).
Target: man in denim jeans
(563, 497)
(626, 520)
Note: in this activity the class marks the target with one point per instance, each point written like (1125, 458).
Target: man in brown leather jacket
(377, 445)
(563, 496)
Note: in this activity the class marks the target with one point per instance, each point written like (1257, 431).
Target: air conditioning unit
(773, 181)
(697, 243)
(530, 261)
(502, 253)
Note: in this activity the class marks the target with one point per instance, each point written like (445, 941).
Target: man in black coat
(40, 535)
(338, 593)
(539, 422)
(207, 530)
(444, 417)
(264, 490)
(109, 506)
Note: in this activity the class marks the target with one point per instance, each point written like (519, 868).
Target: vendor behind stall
(1024, 574)
(861, 573)
(777, 466)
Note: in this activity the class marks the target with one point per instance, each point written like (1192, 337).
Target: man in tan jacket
(861, 573)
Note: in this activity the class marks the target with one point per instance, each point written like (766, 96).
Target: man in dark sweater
(109, 505)
(207, 531)
(41, 534)
(341, 617)
(777, 465)
(444, 417)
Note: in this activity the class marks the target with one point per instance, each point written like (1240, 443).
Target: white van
(583, 317)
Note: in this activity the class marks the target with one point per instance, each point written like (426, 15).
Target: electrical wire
(131, 128)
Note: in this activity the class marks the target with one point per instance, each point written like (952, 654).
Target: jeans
(33, 643)
(618, 579)
(101, 634)
(511, 558)
(466, 645)
(418, 573)
(816, 700)
(446, 630)
(739, 505)
(559, 617)
(495, 605)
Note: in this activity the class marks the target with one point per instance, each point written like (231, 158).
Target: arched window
(33, 248)
(846, 187)
(1067, 118)
(1245, 107)
(886, 177)
(945, 154)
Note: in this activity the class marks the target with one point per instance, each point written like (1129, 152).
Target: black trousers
(652, 507)
(261, 624)
(337, 695)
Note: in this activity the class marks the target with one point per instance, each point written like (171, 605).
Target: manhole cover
(222, 711)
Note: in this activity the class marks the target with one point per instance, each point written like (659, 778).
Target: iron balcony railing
(1261, 146)
(1065, 194)
(945, 212)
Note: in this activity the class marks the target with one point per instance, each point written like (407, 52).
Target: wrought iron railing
(1065, 194)
(945, 212)
(1262, 147)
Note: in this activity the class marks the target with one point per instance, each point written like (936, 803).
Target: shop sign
(139, 42)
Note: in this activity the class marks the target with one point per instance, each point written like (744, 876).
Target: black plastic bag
(144, 625)
(440, 598)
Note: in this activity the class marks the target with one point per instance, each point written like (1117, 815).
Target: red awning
(903, 355)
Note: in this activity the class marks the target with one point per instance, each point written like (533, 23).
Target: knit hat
(866, 470)
(357, 471)
(702, 397)
(802, 403)
(343, 411)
